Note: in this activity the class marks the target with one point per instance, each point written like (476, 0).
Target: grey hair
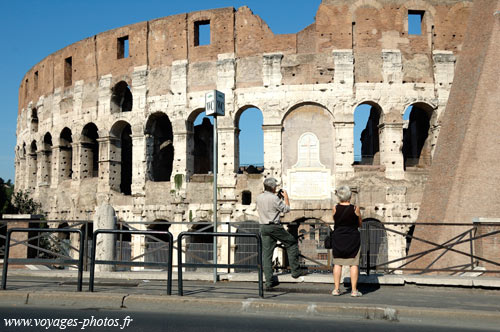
(344, 193)
(270, 184)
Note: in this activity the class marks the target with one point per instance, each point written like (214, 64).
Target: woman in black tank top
(346, 240)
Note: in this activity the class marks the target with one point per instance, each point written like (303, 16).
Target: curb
(174, 303)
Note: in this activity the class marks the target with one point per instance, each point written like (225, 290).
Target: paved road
(137, 321)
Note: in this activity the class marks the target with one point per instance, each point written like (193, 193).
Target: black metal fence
(470, 242)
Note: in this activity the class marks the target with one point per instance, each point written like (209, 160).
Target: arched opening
(245, 251)
(123, 251)
(200, 140)
(33, 166)
(159, 147)
(199, 248)
(416, 146)
(121, 98)
(366, 134)
(249, 141)
(157, 244)
(65, 154)
(121, 150)
(374, 249)
(89, 157)
(47, 156)
(34, 120)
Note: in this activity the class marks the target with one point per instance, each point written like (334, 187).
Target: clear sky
(34, 29)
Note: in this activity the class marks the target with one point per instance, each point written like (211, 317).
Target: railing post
(170, 257)
(80, 261)
(368, 249)
(6, 260)
(471, 250)
(259, 261)
(179, 264)
(229, 248)
(92, 261)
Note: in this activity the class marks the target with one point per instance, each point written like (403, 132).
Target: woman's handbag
(329, 239)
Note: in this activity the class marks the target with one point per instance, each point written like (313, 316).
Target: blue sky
(34, 29)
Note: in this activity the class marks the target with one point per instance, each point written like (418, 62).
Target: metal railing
(133, 262)
(257, 266)
(63, 259)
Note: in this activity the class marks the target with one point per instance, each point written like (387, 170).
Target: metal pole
(215, 197)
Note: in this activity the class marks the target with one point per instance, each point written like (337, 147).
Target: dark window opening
(157, 244)
(159, 147)
(34, 120)
(123, 248)
(35, 81)
(66, 154)
(90, 151)
(121, 99)
(202, 33)
(47, 156)
(68, 71)
(366, 135)
(126, 161)
(122, 47)
(415, 19)
(416, 149)
(246, 197)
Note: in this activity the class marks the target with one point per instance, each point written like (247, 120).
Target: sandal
(356, 294)
(335, 292)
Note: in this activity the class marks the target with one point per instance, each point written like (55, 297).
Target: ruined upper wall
(366, 26)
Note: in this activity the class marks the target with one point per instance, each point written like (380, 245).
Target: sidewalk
(147, 291)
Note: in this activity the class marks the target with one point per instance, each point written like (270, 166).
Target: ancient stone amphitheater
(112, 116)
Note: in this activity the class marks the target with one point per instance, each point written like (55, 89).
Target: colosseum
(112, 117)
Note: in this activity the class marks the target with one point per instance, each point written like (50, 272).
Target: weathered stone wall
(355, 53)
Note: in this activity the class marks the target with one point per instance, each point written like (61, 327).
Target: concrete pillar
(272, 150)
(444, 71)
(391, 144)
(344, 147)
(344, 68)
(105, 218)
(392, 66)
(109, 164)
(271, 69)
(138, 163)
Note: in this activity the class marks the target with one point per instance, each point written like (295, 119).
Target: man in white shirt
(269, 206)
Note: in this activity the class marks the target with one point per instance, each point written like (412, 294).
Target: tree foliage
(23, 203)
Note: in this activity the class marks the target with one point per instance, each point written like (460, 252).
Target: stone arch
(121, 98)
(159, 147)
(46, 165)
(253, 128)
(367, 119)
(302, 118)
(89, 153)
(32, 166)
(199, 248)
(157, 244)
(245, 251)
(200, 143)
(65, 154)
(302, 104)
(121, 157)
(416, 145)
(374, 250)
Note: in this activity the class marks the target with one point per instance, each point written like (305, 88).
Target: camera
(280, 193)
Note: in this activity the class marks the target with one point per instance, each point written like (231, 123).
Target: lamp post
(215, 106)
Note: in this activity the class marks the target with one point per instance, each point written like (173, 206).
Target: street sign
(214, 103)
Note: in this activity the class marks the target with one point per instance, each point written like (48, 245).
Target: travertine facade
(93, 120)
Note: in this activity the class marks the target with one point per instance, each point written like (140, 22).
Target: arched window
(159, 147)
(200, 128)
(32, 166)
(157, 244)
(366, 134)
(65, 154)
(374, 250)
(89, 157)
(121, 145)
(199, 247)
(249, 141)
(47, 162)
(34, 120)
(416, 147)
(121, 99)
